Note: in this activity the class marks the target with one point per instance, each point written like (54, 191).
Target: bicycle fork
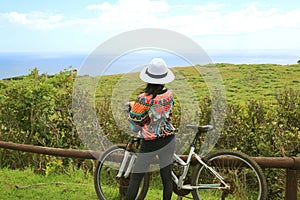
(125, 169)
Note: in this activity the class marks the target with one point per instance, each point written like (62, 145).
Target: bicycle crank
(182, 192)
(228, 191)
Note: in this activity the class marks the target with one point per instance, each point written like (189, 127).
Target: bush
(36, 109)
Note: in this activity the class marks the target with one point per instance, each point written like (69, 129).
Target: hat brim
(146, 78)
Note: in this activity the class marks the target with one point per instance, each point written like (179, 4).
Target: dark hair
(154, 89)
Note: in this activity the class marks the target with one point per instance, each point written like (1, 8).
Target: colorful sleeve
(140, 108)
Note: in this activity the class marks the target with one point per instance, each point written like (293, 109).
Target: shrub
(36, 109)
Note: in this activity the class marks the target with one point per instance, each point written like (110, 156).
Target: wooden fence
(291, 164)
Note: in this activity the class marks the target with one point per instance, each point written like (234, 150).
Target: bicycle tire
(244, 175)
(107, 185)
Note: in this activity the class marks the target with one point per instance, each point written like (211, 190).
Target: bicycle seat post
(200, 131)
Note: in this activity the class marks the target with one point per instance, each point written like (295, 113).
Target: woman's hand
(131, 103)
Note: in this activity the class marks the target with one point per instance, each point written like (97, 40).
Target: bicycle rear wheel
(244, 176)
(107, 185)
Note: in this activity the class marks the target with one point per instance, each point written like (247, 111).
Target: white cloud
(253, 20)
(208, 7)
(38, 20)
(15, 17)
(127, 15)
(199, 20)
(136, 6)
(97, 6)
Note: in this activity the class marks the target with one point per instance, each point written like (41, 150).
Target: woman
(151, 114)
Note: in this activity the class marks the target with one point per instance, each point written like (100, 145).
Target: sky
(81, 26)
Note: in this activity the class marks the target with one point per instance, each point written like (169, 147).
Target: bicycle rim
(107, 185)
(244, 176)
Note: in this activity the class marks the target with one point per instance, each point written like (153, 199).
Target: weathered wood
(70, 153)
(292, 164)
(278, 162)
(291, 185)
(264, 162)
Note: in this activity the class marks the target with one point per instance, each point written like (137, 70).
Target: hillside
(242, 82)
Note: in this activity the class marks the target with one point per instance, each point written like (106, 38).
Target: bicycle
(223, 174)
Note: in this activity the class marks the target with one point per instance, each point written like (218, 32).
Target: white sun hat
(157, 72)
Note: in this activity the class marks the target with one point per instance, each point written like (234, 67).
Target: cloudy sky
(81, 26)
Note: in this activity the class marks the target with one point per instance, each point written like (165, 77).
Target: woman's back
(153, 114)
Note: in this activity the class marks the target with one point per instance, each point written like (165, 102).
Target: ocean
(14, 64)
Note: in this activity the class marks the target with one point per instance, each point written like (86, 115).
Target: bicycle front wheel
(240, 172)
(107, 185)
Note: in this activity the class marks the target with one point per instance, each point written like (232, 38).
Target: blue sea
(16, 63)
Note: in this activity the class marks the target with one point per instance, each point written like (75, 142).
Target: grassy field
(242, 82)
(16, 184)
(27, 185)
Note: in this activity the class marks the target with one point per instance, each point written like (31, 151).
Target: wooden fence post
(291, 185)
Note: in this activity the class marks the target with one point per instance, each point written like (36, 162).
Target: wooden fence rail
(291, 164)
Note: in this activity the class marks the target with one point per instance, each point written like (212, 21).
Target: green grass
(243, 82)
(18, 184)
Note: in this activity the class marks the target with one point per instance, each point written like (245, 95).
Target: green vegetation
(262, 115)
(242, 82)
(16, 184)
(36, 109)
(74, 185)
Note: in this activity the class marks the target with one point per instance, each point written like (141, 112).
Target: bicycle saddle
(204, 128)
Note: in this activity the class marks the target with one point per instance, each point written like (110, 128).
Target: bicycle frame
(180, 181)
(126, 169)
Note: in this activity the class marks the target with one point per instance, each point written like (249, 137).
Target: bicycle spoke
(244, 177)
(108, 186)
